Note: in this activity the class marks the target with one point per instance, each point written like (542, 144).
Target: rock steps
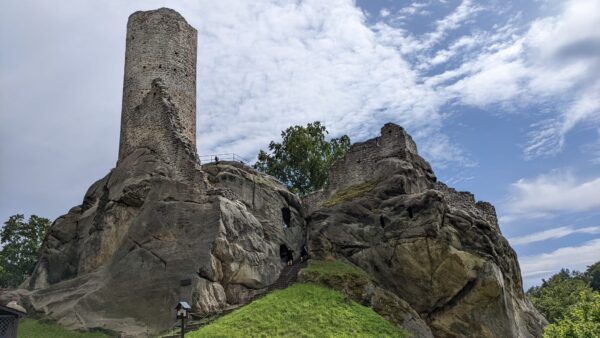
(287, 277)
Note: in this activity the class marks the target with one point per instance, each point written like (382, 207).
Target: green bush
(554, 297)
(582, 320)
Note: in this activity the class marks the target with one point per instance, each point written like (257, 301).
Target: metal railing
(221, 157)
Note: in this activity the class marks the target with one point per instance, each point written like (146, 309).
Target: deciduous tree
(303, 158)
(21, 242)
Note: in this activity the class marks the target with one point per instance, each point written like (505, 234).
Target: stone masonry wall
(160, 45)
(466, 201)
(358, 165)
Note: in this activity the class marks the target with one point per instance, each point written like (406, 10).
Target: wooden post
(182, 327)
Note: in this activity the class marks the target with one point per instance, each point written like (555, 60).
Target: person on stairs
(303, 253)
(290, 257)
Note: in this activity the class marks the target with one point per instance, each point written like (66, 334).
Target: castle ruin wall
(358, 165)
(160, 45)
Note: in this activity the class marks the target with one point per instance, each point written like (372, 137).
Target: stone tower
(160, 55)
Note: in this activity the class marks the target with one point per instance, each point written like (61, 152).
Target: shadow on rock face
(433, 247)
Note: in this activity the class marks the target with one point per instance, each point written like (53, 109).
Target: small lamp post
(183, 309)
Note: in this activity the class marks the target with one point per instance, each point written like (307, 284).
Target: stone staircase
(287, 277)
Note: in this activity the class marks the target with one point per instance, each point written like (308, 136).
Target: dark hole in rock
(382, 221)
(410, 212)
(287, 216)
(159, 66)
(185, 282)
(174, 69)
(144, 67)
(283, 251)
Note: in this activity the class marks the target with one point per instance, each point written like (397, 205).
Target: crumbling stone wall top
(358, 165)
(465, 200)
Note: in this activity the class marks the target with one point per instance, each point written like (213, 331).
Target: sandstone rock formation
(433, 247)
(159, 228)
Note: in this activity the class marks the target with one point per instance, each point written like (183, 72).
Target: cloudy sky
(502, 97)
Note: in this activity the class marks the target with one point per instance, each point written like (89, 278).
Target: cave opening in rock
(382, 221)
(287, 216)
(283, 251)
(410, 212)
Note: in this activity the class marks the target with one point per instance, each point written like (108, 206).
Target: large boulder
(436, 248)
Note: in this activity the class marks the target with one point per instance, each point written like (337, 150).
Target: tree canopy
(581, 321)
(21, 242)
(571, 302)
(303, 158)
(554, 297)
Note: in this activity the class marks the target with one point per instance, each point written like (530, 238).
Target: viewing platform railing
(222, 157)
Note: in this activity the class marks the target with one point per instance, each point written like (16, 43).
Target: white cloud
(535, 267)
(408, 43)
(556, 60)
(554, 233)
(384, 12)
(413, 8)
(271, 65)
(262, 66)
(265, 65)
(559, 191)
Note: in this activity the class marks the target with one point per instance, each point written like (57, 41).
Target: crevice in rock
(140, 245)
(430, 263)
(460, 295)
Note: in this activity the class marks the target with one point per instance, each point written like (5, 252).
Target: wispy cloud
(558, 191)
(554, 60)
(535, 267)
(269, 64)
(554, 233)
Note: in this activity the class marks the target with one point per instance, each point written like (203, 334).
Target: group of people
(287, 254)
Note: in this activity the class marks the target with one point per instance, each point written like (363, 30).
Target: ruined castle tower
(160, 56)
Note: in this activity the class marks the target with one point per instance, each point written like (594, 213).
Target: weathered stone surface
(435, 248)
(143, 240)
(159, 228)
(160, 45)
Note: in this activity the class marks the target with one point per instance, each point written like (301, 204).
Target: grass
(350, 193)
(302, 310)
(31, 328)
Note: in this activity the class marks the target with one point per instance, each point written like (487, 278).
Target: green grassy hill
(31, 328)
(302, 310)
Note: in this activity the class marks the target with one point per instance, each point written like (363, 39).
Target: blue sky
(502, 97)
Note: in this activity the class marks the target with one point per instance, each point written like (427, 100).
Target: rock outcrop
(160, 228)
(433, 247)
